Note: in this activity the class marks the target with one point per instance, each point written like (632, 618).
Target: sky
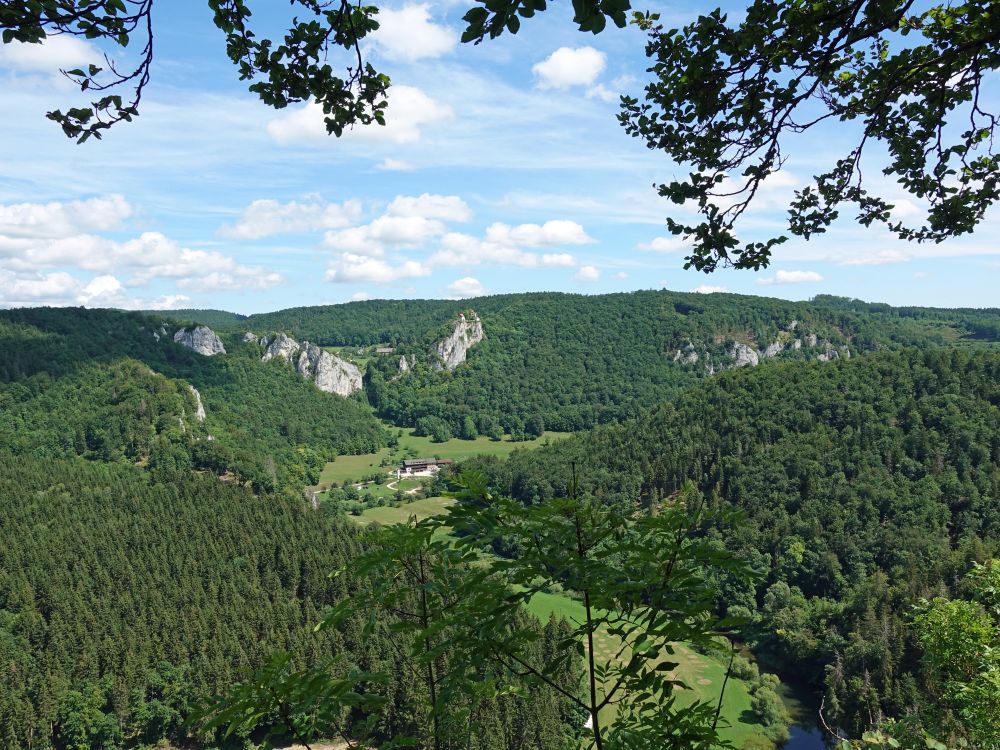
(502, 169)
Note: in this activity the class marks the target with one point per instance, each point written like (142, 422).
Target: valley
(847, 455)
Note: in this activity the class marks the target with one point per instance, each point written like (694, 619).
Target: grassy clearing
(354, 468)
(702, 674)
(422, 509)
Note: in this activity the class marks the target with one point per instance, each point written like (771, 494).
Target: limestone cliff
(199, 412)
(452, 350)
(201, 339)
(280, 346)
(744, 355)
(741, 354)
(329, 372)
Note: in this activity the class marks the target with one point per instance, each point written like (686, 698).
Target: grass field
(422, 509)
(702, 674)
(354, 468)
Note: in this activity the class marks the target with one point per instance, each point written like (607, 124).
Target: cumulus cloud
(360, 296)
(588, 273)
(558, 232)
(56, 220)
(444, 207)
(54, 54)
(467, 287)
(58, 236)
(465, 250)
(665, 245)
(570, 66)
(372, 239)
(59, 289)
(409, 34)
(352, 268)
(790, 277)
(409, 110)
(264, 218)
(709, 289)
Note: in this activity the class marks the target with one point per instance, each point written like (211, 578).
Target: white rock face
(249, 336)
(329, 372)
(404, 366)
(281, 346)
(452, 350)
(201, 339)
(772, 350)
(199, 412)
(744, 355)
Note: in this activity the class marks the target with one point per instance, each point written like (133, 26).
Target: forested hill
(212, 318)
(568, 362)
(866, 485)
(125, 602)
(113, 386)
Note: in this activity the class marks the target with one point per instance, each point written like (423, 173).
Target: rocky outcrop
(199, 412)
(772, 350)
(329, 372)
(250, 337)
(452, 350)
(280, 346)
(744, 355)
(404, 366)
(201, 339)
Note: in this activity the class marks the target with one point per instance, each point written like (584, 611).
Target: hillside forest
(835, 503)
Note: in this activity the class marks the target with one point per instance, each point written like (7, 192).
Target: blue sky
(503, 169)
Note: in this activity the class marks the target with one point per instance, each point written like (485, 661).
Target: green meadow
(354, 468)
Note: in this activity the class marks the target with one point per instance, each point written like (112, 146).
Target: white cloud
(409, 34)
(35, 237)
(241, 277)
(465, 250)
(352, 268)
(570, 66)
(790, 277)
(372, 239)
(409, 110)
(588, 273)
(709, 289)
(54, 54)
(621, 275)
(558, 260)
(665, 245)
(264, 218)
(467, 287)
(557, 232)
(394, 165)
(360, 296)
(444, 207)
(602, 92)
(59, 289)
(55, 220)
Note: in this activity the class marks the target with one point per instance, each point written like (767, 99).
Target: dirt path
(320, 746)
